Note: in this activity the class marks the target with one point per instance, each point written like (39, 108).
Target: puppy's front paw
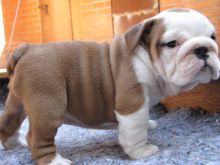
(59, 160)
(143, 152)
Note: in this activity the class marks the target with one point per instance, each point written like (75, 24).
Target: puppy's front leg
(133, 129)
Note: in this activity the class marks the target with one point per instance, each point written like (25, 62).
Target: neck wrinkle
(159, 80)
(157, 70)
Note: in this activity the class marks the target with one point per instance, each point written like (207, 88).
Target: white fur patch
(133, 129)
(59, 160)
(15, 141)
(152, 124)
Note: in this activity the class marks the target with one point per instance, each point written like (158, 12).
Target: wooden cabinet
(204, 96)
(96, 20)
(126, 13)
(56, 20)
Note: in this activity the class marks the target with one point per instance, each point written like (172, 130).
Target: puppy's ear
(137, 32)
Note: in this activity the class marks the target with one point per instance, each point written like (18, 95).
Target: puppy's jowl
(102, 85)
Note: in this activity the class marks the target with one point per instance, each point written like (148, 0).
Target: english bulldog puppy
(102, 85)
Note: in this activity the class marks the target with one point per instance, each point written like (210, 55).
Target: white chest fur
(147, 76)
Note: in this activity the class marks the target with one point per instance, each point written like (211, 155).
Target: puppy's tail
(14, 58)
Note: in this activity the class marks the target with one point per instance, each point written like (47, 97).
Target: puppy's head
(182, 46)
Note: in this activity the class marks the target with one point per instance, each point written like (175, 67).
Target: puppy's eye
(172, 44)
(213, 37)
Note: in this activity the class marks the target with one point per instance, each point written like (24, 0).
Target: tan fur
(152, 40)
(12, 118)
(18, 53)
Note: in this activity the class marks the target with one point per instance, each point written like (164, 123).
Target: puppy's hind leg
(10, 122)
(45, 112)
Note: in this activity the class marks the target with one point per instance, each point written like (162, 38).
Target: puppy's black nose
(201, 53)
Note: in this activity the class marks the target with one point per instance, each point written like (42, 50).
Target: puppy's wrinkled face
(188, 49)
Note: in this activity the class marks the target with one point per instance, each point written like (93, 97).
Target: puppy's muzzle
(201, 47)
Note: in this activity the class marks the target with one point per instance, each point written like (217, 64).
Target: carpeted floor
(185, 137)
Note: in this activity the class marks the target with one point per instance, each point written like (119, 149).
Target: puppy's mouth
(207, 70)
(205, 75)
(210, 62)
(214, 69)
(207, 66)
(205, 63)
